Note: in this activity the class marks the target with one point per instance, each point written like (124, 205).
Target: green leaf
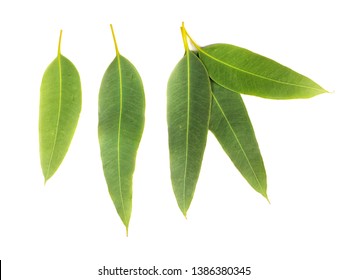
(60, 106)
(233, 129)
(121, 124)
(188, 108)
(246, 72)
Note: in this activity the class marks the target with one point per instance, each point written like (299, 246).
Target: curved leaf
(60, 106)
(246, 72)
(188, 108)
(121, 123)
(233, 129)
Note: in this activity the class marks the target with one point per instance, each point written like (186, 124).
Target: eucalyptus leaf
(188, 109)
(121, 124)
(60, 106)
(233, 129)
(246, 72)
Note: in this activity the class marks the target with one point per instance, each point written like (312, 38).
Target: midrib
(59, 113)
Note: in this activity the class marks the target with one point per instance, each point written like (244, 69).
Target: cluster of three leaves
(204, 94)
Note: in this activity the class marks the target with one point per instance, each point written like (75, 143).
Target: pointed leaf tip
(268, 200)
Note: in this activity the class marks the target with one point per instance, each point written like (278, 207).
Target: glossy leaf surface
(60, 106)
(188, 107)
(121, 124)
(246, 72)
(233, 129)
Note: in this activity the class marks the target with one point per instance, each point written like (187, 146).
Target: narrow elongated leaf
(121, 123)
(188, 107)
(246, 72)
(60, 106)
(233, 129)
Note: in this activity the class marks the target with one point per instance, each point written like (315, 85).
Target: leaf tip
(183, 211)
(323, 90)
(266, 197)
(45, 179)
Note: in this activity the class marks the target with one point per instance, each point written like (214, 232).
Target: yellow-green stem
(114, 40)
(190, 38)
(184, 37)
(61, 34)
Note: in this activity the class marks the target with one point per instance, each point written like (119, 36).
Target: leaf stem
(184, 37)
(114, 40)
(190, 38)
(61, 34)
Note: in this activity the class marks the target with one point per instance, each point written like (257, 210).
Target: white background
(69, 228)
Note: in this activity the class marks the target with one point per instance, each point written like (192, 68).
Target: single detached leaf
(121, 123)
(233, 129)
(246, 72)
(188, 108)
(60, 107)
